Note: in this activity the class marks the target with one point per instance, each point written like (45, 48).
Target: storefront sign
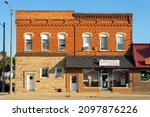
(103, 62)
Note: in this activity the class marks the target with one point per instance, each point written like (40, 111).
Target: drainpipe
(74, 39)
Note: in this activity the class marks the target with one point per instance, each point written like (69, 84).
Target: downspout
(74, 39)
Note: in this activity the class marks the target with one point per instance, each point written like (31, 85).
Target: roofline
(45, 10)
(101, 56)
(103, 13)
(141, 43)
(76, 13)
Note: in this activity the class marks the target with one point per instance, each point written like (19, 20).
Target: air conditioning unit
(62, 48)
(86, 48)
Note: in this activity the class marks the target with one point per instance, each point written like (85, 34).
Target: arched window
(45, 41)
(86, 41)
(120, 37)
(61, 41)
(28, 41)
(103, 41)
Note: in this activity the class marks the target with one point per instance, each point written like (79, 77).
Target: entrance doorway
(30, 82)
(104, 79)
(74, 83)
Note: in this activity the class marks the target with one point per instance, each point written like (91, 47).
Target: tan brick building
(68, 51)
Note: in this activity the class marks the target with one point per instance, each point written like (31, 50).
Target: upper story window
(45, 41)
(28, 41)
(103, 41)
(61, 41)
(86, 41)
(120, 37)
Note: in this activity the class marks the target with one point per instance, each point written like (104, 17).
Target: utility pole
(11, 32)
(3, 79)
(3, 67)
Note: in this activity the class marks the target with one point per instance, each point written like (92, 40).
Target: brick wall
(78, 72)
(74, 25)
(53, 43)
(95, 40)
(22, 14)
(140, 86)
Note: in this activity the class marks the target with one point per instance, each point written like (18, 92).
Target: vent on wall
(58, 90)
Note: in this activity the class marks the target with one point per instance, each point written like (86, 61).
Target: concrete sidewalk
(76, 96)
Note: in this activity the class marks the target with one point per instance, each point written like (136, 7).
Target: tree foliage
(6, 63)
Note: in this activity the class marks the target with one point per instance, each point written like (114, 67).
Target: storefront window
(121, 78)
(90, 78)
(145, 75)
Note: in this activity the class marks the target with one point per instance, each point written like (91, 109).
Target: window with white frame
(44, 72)
(86, 41)
(59, 72)
(28, 42)
(61, 41)
(103, 42)
(45, 41)
(120, 42)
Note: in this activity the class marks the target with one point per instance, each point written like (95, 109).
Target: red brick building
(141, 54)
(68, 51)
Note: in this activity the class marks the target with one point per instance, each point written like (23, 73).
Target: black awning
(93, 61)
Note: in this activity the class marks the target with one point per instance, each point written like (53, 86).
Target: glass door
(104, 79)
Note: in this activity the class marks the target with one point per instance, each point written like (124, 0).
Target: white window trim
(41, 72)
(64, 33)
(28, 33)
(100, 35)
(120, 33)
(46, 33)
(83, 35)
(62, 75)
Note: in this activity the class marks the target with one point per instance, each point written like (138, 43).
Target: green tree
(6, 63)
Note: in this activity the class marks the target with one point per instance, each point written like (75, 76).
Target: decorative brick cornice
(79, 25)
(81, 19)
(101, 16)
(39, 54)
(68, 23)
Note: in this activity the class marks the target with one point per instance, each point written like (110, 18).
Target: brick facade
(140, 86)
(54, 22)
(74, 25)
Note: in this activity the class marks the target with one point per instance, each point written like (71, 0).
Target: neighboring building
(68, 51)
(7, 80)
(141, 54)
(7, 75)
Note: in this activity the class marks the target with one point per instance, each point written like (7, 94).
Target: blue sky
(139, 8)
